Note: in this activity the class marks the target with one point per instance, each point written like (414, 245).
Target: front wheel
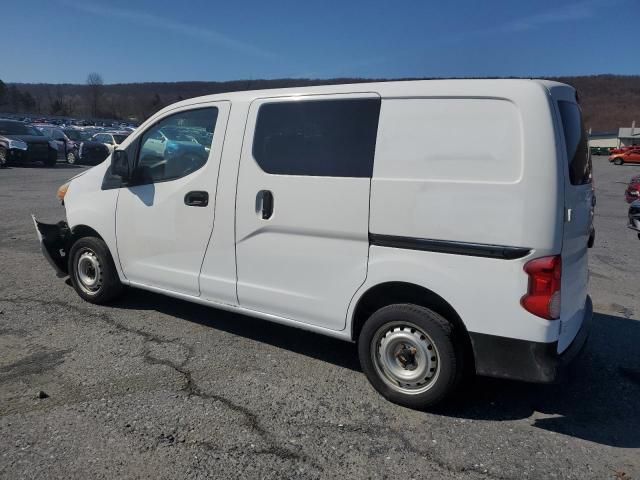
(618, 161)
(411, 355)
(92, 271)
(3, 157)
(71, 157)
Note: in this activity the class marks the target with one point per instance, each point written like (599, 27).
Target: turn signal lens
(543, 295)
(62, 191)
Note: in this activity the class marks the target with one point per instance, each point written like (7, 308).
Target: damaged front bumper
(53, 240)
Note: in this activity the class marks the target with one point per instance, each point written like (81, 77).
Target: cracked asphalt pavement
(153, 387)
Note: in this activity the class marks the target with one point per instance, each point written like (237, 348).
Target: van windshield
(575, 138)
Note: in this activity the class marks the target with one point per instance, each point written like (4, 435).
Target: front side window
(576, 141)
(332, 138)
(169, 151)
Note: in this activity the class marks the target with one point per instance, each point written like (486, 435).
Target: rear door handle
(265, 199)
(196, 199)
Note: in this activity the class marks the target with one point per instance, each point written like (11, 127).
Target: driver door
(164, 218)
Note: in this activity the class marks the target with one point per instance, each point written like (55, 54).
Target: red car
(632, 193)
(624, 149)
(629, 156)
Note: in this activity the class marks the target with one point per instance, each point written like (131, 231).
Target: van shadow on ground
(598, 402)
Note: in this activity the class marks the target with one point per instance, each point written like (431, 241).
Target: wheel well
(402, 292)
(80, 231)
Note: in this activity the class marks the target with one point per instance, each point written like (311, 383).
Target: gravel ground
(153, 387)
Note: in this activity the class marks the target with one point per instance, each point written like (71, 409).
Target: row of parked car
(22, 142)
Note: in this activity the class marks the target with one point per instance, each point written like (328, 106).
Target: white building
(603, 139)
(629, 136)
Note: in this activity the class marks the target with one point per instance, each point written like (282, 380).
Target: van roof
(403, 88)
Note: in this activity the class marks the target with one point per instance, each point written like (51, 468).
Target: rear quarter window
(575, 139)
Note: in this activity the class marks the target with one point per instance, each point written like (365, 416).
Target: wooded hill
(608, 101)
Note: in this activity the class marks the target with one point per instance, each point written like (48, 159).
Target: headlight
(53, 144)
(17, 144)
(62, 191)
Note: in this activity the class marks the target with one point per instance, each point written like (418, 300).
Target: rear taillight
(543, 296)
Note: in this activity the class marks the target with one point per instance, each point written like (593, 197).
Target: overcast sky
(167, 40)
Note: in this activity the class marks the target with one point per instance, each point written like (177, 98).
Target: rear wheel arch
(390, 293)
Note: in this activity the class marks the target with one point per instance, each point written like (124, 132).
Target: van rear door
(578, 220)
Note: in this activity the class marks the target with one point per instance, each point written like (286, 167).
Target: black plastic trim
(537, 362)
(446, 246)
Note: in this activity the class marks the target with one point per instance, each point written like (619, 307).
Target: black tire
(3, 157)
(618, 161)
(87, 255)
(415, 321)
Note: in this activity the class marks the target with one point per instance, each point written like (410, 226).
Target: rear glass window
(331, 138)
(575, 138)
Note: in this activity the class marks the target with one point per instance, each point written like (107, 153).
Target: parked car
(628, 156)
(87, 151)
(624, 149)
(110, 139)
(22, 143)
(332, 214)
(632, 192)
(67, 148)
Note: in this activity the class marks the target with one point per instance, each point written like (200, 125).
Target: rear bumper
(524, 360)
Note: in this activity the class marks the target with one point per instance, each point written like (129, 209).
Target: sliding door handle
(265, 200)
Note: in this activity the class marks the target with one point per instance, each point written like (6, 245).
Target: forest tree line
(608, 101)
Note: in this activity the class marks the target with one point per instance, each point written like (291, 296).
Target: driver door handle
(196, 199)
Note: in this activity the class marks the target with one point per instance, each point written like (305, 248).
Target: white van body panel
(308, 259)
(469, 284)
(218, 276)
(454, 169)
(88, 205)
(578, 220)
(162, 241)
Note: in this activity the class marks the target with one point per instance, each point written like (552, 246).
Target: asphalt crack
(190, 387)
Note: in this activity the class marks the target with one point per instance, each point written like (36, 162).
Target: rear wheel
(92, 271)
(618, 161)
(411, 355)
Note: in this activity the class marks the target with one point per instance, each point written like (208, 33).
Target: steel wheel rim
(3, 157)
(88, 272)
(405, 357)
(71, 158)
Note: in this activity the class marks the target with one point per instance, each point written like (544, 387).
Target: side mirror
(120, 165)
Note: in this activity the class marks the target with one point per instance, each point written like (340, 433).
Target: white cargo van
(442, 225)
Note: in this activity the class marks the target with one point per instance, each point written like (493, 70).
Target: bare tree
(95, 84)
